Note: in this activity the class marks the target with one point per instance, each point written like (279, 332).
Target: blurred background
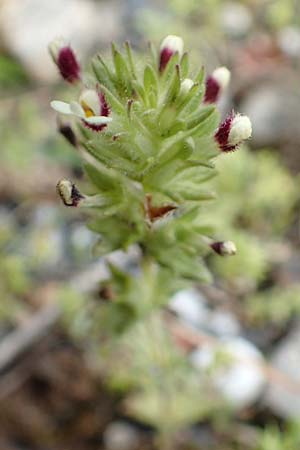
(52, 390)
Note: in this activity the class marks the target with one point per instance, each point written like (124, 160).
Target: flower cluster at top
(93, 110)
(149, 134)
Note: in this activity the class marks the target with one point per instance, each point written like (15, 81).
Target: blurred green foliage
(273, 438)
(15, 280)
(256, 207)
(12, 74)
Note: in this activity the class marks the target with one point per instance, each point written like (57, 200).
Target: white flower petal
(241, 129)
(222, 76)
(98, 120)
(77, 109)
(61, 107)
(173, 43)
(55, 46)
(91, 99)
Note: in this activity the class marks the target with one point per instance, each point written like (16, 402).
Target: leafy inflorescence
(149, 140)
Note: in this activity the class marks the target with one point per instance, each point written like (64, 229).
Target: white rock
(82, 238)
(284, 398)
(28, 26)
(120, 436)
(223, 323)
(272, 123)
(289, 41)
(236, 19)
(190, 306)
(240, 381)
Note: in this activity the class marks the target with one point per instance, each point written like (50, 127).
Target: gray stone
(190, 305)
(239, 380)
(274, 110)
(289, 41)
(223, 323)
(284, 397)
(120, 436)
(27, 27)
(235, 19)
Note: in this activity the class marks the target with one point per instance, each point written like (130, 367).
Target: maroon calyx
(212, 90)
(165, 56)
(217, 247)
(105, 109)
(68, 65)
(67, 132)
(222, 134)
(154, 213)
(76, 196)
(69, 200)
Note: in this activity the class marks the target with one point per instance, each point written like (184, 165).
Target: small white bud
(186, 85)
(69, 193)
(224, 248)
(229, 248)
(172, 43)
(241, 129)
(222, 76)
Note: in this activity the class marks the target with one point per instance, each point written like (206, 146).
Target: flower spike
(215, 84)
(65, 59)
(233, 131)
(91, 108)
(169, 46)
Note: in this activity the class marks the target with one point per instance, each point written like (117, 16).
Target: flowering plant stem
(149, 134)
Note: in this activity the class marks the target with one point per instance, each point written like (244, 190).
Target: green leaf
(138, 87)
(102, 73)
(112, 100)
(151, 85)
(104, 180)
(173, 87)
(200, 116)
(197, 99)
(184, 65)
(122, 73)
(131, 63)
(169, 69)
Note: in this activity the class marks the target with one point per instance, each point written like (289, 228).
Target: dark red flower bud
(233, 131)
(66, 131)
(215, 84)
(169, 46)
(66, 61)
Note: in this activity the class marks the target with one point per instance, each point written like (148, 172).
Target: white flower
(240, 130)
(91, 108)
